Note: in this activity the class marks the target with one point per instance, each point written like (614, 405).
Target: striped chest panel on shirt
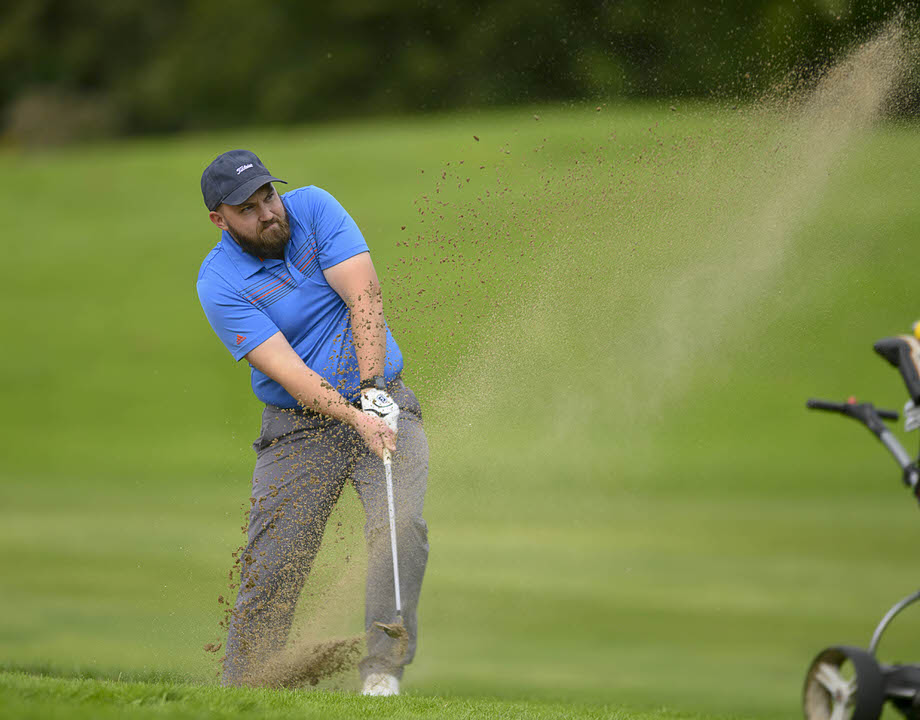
(305, 256)
(272, 285)
(275, 283)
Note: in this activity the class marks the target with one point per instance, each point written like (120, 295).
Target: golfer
(291, 288)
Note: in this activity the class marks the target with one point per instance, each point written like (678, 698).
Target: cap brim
(244, 191)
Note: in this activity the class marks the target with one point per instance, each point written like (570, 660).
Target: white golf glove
(378, 403)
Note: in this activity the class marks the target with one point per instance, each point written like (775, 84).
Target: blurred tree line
(74, 68)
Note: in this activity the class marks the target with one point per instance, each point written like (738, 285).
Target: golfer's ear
(218, 219)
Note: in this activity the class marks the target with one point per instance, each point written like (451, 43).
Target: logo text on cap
(243, 167)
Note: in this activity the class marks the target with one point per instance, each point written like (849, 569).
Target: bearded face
(259, 224)
(267, 240)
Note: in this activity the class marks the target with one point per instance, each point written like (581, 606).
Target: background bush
(76, 69)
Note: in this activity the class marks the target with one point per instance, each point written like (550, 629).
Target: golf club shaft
(388, 467)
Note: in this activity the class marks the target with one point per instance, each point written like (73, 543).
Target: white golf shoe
(380, 684)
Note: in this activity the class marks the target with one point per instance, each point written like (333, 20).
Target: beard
(268, 241)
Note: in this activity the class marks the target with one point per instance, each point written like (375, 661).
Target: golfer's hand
(378, 403)
(375, 432)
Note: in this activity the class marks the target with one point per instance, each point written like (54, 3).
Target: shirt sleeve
(337, 235)
(240, 326)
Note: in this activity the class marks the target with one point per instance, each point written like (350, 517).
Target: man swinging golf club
(291, 288)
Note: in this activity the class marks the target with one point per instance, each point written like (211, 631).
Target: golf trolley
(849, 683)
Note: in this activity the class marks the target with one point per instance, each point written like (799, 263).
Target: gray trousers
(303, 462)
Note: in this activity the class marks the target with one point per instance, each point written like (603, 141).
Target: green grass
(25, 696)
(630, 509)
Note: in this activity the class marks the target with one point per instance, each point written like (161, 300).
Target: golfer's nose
(265, 213)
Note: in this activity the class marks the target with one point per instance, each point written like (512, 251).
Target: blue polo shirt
(247, 300)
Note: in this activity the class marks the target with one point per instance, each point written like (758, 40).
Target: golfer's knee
(409, 526)
(414, 526)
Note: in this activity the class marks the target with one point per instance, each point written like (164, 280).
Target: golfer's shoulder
(307, 201)
(217, 270)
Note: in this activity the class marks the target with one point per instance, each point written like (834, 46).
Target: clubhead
(394, 630)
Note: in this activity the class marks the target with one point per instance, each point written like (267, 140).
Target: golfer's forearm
(356, 282)
(277, 359)
(313, 392)
(369, 330)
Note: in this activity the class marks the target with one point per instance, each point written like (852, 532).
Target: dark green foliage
(98, 67)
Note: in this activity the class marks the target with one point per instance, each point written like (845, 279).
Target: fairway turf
(24, 696)
(618, 554)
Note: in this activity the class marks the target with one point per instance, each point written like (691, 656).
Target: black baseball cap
(233, 177)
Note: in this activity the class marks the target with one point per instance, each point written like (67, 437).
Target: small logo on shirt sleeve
(240, 339)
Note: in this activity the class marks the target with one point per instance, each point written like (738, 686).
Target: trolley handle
(870, 416)
(851, 409)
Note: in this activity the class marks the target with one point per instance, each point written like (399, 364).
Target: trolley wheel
(843, 683)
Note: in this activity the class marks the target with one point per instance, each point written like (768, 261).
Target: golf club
(396, 629)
